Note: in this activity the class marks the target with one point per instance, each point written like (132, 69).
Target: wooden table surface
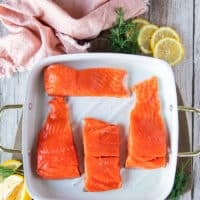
(183, 15)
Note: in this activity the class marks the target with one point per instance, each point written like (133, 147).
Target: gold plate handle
(193, 110)
(8, 107)
(180, 108)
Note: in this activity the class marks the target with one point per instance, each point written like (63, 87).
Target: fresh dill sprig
(123, 36)
(181, 182)
(6, 172)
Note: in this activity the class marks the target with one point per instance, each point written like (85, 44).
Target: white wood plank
(12, 90)
(196, 190)
(179, 15)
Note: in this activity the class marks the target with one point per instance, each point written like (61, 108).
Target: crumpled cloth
(40, 28)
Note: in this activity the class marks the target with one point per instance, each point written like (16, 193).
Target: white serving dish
(137, 183)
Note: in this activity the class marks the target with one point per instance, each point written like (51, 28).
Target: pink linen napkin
(41, 28)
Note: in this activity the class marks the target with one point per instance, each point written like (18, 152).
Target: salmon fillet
(100, 138)
(102, 173)
(147, 140)
(61, 80)
(147, 164)
(56, 153)
(102, 167)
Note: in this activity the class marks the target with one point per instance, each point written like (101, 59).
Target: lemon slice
(170, 50)
(144, 37)
(10, 187)
(23, 193)
(12, 164)
(162, 33)
(140, 22)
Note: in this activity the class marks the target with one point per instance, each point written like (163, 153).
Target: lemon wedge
(162, 33)
(170, 50)
(23, 193)
(144, 37)
(10, 187)
(12, 164)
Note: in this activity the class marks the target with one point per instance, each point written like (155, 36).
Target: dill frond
(6, 172)
(123, 36)
(181, 182)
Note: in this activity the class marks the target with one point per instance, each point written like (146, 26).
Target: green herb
(181, 182)
(123, 37)
(6, 172)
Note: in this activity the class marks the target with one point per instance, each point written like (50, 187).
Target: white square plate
(137, 183)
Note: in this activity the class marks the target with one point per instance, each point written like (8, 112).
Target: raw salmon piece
(102, 82)
(61, 80)
(56, 153)
(100, 138)
(147, 164)
(101, 148)
(102, 173)
(147, 141)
